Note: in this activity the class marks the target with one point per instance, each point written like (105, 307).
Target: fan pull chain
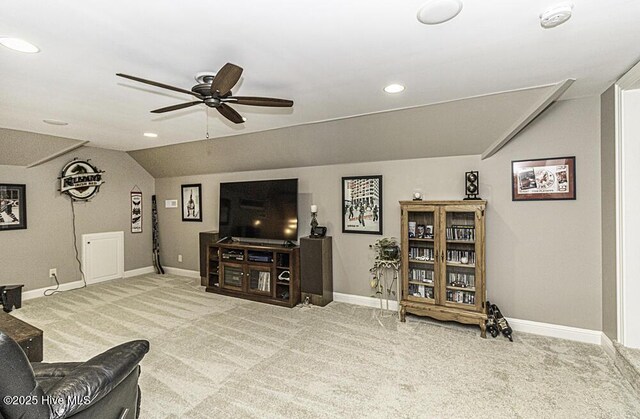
(207, 123)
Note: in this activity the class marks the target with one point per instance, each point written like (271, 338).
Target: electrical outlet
(179, 258)
(53, 272)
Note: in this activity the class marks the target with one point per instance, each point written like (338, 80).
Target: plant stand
(386, 269)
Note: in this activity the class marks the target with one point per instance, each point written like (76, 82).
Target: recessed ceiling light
(556, 15)
(55, 122)
(394, 88)
(19, 45)
(435, 12)
(150, 134)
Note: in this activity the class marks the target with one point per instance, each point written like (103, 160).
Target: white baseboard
(526, 326)
(556, 331)
(139, 271)
(31, 294)
(360, 300)
(182, 272)
(607, 345)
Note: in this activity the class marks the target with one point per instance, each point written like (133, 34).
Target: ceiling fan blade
(176, 107)
(155, 83)
(225, 79)
(228, 112)
(261, 101)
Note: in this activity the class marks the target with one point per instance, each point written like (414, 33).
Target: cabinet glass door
(260, 279)
(232, 276)
(419, 228)
(213, 267)
(461, 253)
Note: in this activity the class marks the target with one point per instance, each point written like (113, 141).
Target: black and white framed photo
(13, 207)
(362, 204)
(192, 202)
(136, 212)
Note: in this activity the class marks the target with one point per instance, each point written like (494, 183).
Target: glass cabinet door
(213, 267)
(460, 253)
(259, 279)
(419, 228)
(232, 276)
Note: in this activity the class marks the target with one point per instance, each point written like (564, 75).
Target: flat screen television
(265, 209)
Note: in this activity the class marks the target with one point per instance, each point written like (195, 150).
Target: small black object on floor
(497, 323)
(11, 296)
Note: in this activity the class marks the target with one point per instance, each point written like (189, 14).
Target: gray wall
(440, 178)
(47, 242)
(543, 258)
(608, 178)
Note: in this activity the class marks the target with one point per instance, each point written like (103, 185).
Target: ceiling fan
(214, 90)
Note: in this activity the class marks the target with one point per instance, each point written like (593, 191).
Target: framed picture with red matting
(544, 179)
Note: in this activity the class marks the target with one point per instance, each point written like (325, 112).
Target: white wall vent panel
(103, 256)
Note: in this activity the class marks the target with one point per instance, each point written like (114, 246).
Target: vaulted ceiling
(462, 127)
(332, 58)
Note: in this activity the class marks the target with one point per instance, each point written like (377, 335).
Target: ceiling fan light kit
(19, 45)
(214, 90)
(556, 15)
(55, 122)
(435, 12)
(394, 88)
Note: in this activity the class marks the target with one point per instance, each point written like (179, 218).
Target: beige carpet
(219, 357)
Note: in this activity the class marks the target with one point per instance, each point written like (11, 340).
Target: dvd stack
(461, 280)
(458, 255)
(421, 291)
(461, 233)
(461, 297)
(421, 253)
(421, 275)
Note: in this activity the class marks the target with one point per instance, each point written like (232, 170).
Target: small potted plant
(387, 248)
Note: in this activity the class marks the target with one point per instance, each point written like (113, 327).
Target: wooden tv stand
(254, 271)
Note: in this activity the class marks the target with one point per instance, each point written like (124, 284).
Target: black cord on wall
(57, 290)
(75, 244)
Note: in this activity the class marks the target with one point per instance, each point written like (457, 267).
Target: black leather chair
(104, 387)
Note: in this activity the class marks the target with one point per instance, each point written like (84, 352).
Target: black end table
(28, 337)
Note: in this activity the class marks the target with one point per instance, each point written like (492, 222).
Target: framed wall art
(544, 179)
(136, 212)
(362, 204)
(192, 202)
(13, 207)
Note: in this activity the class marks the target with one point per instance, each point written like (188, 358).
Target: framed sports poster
(191, 202)
(136, 212)
(13, 207)
(362, 204)
(544, 179)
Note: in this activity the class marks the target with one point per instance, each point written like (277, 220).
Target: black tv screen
(266, 209)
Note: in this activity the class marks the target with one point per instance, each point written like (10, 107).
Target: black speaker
(316, 270)
(472, 185)
(11, 296)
